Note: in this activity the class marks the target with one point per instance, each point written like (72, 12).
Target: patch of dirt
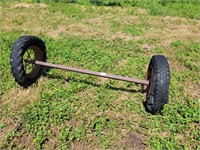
(78, 29)
(56, 33)
(179, 32)
(100, 21)
(84, 8)
(27, 5)
(11, 124)
(170, 29)
(179, 136)
(123, 96)
(111, 115)
(87, 94)
(78, 145)
(147, 47)
(102, 80)
(26, 140)
(53, 143)
(55, 130)
(16, 98)
(131, 141)
(122, 35)
(134, 142)
(122, 62)
(174, 20)
(193, 90)
(41, 5)
(142, 11)
(174, 64)
(125, 20)
(164, 134)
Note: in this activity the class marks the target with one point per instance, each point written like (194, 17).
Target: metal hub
(32, 54)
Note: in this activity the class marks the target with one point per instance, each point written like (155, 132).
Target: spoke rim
(28, 60)
(32, 54)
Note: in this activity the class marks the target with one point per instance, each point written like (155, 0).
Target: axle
(100, 74)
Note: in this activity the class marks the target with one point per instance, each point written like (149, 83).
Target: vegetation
(69, 110)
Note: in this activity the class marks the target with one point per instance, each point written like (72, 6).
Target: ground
(69, 110)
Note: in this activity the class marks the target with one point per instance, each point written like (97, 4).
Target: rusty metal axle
(100, 74)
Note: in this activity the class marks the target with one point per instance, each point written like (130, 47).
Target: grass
(68, 110)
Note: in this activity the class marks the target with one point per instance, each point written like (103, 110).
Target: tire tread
(16, 58)
(160, 86)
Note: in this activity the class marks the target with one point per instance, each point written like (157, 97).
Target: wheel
(158, 74)
(24, 52)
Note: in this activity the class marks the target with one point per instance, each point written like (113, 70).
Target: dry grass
(26, 5)
(16, 101)
(173, 28)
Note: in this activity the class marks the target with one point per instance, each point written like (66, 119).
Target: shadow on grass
(92, 83)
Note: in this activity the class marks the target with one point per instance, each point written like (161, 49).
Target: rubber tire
(16, 59)
(159, 84)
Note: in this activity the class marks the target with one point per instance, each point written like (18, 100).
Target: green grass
(66, 110)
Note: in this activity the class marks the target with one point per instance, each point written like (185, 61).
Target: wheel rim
(32, 54)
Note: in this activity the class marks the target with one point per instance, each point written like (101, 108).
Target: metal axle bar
(100, 74)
